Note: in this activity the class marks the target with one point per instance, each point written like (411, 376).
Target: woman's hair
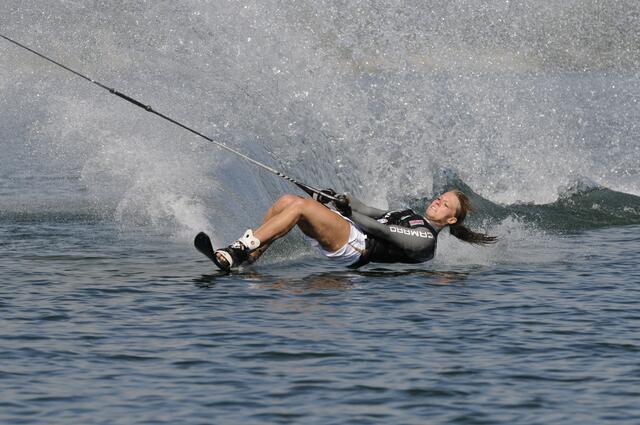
(463, 232)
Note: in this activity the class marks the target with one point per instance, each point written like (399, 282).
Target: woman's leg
(315, 220)
(275, 209)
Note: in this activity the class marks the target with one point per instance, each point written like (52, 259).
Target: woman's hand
(343, 204)
(323, 199)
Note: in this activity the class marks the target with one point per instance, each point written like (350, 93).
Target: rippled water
(109, 315)
(100, 326)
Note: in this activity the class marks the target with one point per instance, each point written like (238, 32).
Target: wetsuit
(400, 236)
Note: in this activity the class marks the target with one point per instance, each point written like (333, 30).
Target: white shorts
(350, 252)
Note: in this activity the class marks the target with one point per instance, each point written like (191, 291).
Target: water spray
(311, 191)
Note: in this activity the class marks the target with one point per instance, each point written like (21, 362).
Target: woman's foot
(237, 253)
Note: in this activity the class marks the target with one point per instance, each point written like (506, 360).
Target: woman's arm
(415, 239)
(362, 208)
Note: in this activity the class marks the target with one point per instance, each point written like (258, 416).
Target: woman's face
(443, 209)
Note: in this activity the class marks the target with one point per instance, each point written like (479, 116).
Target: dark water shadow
(209, 280)
(436, 277)
(328, 280)
(313, 281)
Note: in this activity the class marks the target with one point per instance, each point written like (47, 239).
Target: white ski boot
(236, 253)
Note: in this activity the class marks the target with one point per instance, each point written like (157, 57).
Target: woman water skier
(356, 234)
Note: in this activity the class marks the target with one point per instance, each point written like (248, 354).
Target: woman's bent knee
(302, 206)
(285, 200)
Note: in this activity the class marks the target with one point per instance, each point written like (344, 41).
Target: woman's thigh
(331, 230)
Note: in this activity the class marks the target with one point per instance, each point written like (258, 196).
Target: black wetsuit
(400, 236)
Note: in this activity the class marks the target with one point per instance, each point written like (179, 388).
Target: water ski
(202, 243)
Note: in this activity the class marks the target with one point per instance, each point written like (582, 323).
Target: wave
(581, 205)
(61, 211)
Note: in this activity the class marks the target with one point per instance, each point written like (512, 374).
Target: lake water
(109, 315)
(101, 327)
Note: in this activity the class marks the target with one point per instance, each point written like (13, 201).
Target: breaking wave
(581, 205)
